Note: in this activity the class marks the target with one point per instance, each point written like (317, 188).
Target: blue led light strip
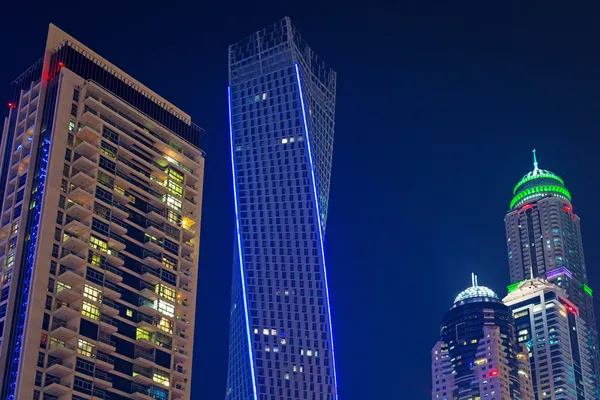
(239, 243)
(322, 247)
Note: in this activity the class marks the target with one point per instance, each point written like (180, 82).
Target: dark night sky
(438, 109)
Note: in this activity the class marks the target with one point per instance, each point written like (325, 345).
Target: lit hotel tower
(100, 216)
(281, 120)
(544, 236)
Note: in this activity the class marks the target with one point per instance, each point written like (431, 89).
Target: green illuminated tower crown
(538, 183)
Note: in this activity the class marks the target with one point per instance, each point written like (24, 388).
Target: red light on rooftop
(493, 372)
(61, 64)
(527, 207)
(567, 209)
(12, 105)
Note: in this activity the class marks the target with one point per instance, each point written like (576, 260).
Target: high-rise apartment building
(102, 186)
(281, 110)
(477, 355)
(550, 326)
(544, 238)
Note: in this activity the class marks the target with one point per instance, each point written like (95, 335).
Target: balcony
(115, 258)
(187, 248)
(142, 375)
(178, 391)
(143, 357)
(181, 338)
(108, 324)
(79, 210)
(61, 350)
(152, 245)
(72, 260)
(67, 312)
(102, 379)
(180, 354)
(150, 275)
(91, 130)
(118, 227)
(187, 262)
(83, 179)
(120, 211)
(147, 323)
(78, 227)
(147, 307)
(109, 307)
(141, 392)
(111, 291)
(104, 361)
(59, 368)
(62, 331)
(75, 243)
(105, 342)
(67, 294)
(185, 276)
(155, 230)
(179, 373)
(87, 149)
(116, 242)
(181, 322)
(188, 232)
(113, 274)
(56, 386)
(70, 276)
(152, 260)
(148, 291)
(82, 163)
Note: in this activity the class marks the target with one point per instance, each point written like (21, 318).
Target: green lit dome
(538, 183)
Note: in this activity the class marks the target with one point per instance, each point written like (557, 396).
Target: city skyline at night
(437, 108)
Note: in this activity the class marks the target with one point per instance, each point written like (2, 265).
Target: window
(109, 150)
(142, 334)
(12, 243)
(14, 229)
(90, 311)
(172, 202)
(165, 325)
(60, 286)
(165, 291)
(174, 187)
(72, 125)
(173, 217)
(164, 307)
(169, 262)
(10, 260)
(161, 378)
(98, 244)
(20, 195)
(105, 179)
(7, 276)
(174, 174)
(75, 95)
(129, 313)
(96, 259)
(18, 209)
(92, 293)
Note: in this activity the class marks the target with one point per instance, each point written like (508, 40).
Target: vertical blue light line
(312, 173)
(239, 244)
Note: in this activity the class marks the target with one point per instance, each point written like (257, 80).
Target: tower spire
(473, 279)
(535, 163)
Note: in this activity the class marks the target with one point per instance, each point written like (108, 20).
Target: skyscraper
(281, 119)
(556, 337)
(477, 355)
(544, 238)
(101, 192)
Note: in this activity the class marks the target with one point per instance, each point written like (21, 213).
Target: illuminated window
(54, 342)
(14, 227)
(273, 332)
(165, 292)
(96, 260)
(142, 334)
(10, 260)
(161, 378)
(169, 262)
(61, 286)
(92, 293)
(172, 202)
(165, 325)
(175, 175)
(72, 125)
(173, 217)
(174, 187)
(7, 276)
(164, 307)
(85, 348)
(264, 96)
(284, 140)
(265, 331)
(129, 313)
(90, 310)
(98, 244)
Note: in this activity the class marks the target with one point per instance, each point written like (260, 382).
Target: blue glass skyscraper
(281, 120)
